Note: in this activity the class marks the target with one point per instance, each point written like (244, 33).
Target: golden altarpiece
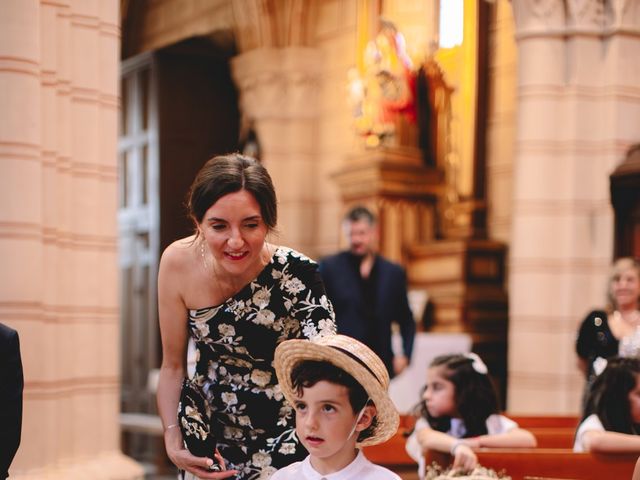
(409, 173)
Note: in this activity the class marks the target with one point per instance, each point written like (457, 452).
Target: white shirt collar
(350, 472)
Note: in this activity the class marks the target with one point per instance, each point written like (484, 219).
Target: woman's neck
(630, 309)
(629, 314)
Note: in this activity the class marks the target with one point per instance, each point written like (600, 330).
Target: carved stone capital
(538, 17)
(550, 18)
(278, 83)
(585, 15)
(623, 14)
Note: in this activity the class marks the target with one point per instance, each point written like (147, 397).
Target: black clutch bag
(195, 419)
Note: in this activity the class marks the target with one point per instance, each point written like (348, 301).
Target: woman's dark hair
(609, 395)
(474, 395)
(307, 373)
(231, 173)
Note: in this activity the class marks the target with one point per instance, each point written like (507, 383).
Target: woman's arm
(173, 331)
(610, 442)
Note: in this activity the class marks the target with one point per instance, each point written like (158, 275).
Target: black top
(236, 340)
(595, 339)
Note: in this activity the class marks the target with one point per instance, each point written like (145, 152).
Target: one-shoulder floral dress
(235, 344)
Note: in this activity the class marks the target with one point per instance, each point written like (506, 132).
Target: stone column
(58, 237)
(278, 92)
(578, 109)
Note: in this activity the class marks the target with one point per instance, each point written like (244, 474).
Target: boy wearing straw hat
(338, 388)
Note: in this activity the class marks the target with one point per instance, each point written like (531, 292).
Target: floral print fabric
(235, 343)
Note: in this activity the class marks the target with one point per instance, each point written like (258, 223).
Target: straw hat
(354, 358)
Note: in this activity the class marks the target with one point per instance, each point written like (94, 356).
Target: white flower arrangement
(436, 472)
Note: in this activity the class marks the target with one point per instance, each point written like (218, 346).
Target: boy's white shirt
(360, 468)
(592, 422)
(495, 424)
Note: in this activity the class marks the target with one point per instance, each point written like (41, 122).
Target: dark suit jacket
(11, 385)
(343, 286)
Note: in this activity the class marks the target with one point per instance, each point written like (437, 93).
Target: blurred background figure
(369, 292)
(614, 330)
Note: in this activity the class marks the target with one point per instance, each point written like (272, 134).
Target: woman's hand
(464, 458)
(198, 466)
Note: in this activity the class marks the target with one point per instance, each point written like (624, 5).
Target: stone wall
(58, 236)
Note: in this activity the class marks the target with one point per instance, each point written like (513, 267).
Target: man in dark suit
(11, 385)
(368, 292)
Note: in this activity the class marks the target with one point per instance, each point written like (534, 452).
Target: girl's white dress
(592, 422)
(495, 424)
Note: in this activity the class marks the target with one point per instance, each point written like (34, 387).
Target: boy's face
(324, 420)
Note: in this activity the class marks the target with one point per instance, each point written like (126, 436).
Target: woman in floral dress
(237, 296)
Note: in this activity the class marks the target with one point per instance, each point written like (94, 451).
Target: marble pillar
(278, 94)
(58, 236)
(578, 109)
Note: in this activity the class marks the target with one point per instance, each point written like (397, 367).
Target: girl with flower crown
(460, 412)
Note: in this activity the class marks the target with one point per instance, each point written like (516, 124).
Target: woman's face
(235, 233)
(625, 288)
(439, 394)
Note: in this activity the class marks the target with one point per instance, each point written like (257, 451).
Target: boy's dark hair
(474, 395)
(609, 395)
(309, 372)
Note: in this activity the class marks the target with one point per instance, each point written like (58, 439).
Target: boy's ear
(366, 418)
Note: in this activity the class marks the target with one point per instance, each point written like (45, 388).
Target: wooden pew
(548, 437)
(392, 453)
(527, 463)
(544, 421)
(550, 432)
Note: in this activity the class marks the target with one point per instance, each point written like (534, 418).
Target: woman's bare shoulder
(179, 254)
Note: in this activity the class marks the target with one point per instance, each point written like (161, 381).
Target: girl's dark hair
(307, 373)
(474, 395)
(609, 395)
(231, 173)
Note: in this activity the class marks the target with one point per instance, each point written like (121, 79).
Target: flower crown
(476, 363)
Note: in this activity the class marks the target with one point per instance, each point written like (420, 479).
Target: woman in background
(602, 331)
